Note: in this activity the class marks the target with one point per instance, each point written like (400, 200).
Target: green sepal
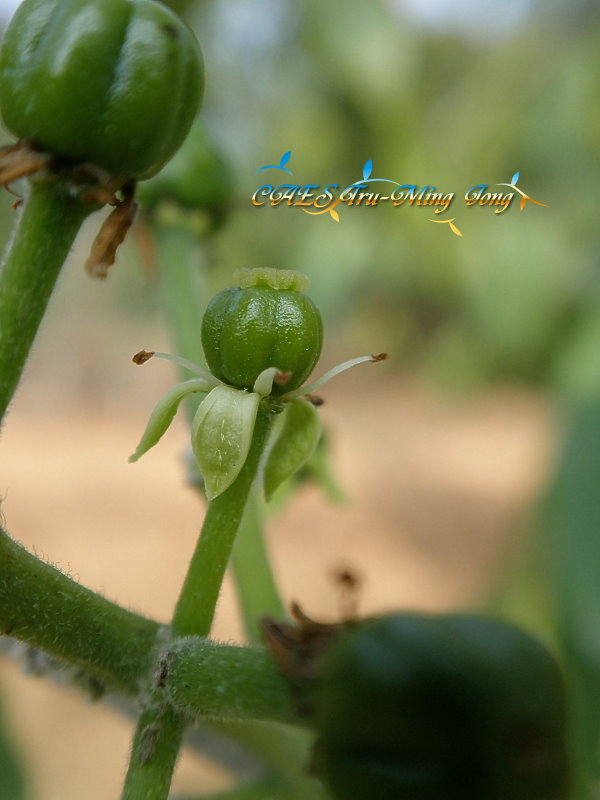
(164, 411)
(221, 435)
(296, 437)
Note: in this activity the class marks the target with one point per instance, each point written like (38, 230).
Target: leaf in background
(367, 169)
(572, 517)
(12, 783)
(514, 178)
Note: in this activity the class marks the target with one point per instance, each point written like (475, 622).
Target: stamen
(310, 387)
(183, 362)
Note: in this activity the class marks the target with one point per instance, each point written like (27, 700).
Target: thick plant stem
(196, 605)
(220, 681)
(255, 583)
(45, 232)
(45, 608)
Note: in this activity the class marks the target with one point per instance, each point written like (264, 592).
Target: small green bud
(266, 321)
(261, 340)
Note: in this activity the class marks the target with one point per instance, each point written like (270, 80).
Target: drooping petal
(297, 435)
(164, 411)
(221, 435)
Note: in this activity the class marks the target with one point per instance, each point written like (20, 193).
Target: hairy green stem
(196, 605)
(254, 580)
(206, 679)
(45, 608)
(156, 744)
(45, 232)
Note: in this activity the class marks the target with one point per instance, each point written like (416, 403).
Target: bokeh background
(469, 461)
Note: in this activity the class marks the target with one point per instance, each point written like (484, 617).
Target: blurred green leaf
(572, 518)
(12, 779)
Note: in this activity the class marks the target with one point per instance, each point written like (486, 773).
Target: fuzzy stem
(206, 679)
(156, 744)
(254, 580)
(45, 608)
(196, 605)
(46, 230)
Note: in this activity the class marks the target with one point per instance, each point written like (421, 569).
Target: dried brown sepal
(378, 357)
(111, 234)
(142, 356)
(91, 184)
(297, 648)
(19, 160)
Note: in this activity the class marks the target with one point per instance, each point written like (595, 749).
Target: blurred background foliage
(430, 101)
(450, 98)
(452, 95)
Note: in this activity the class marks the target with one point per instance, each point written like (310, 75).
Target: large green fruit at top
(116, 83)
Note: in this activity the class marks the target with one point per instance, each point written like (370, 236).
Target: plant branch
(206, 679)
(156, 744)
(210, 744)
(45, 232)
(45, 608)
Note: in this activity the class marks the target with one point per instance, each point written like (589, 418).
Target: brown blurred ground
(435, 490)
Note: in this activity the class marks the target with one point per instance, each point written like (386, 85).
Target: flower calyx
(223, 425)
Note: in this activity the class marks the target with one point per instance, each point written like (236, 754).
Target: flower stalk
(196, 605)
(49, 222)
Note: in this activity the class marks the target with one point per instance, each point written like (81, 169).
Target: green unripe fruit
(265, 322)
(116, 83)
(459, 707)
